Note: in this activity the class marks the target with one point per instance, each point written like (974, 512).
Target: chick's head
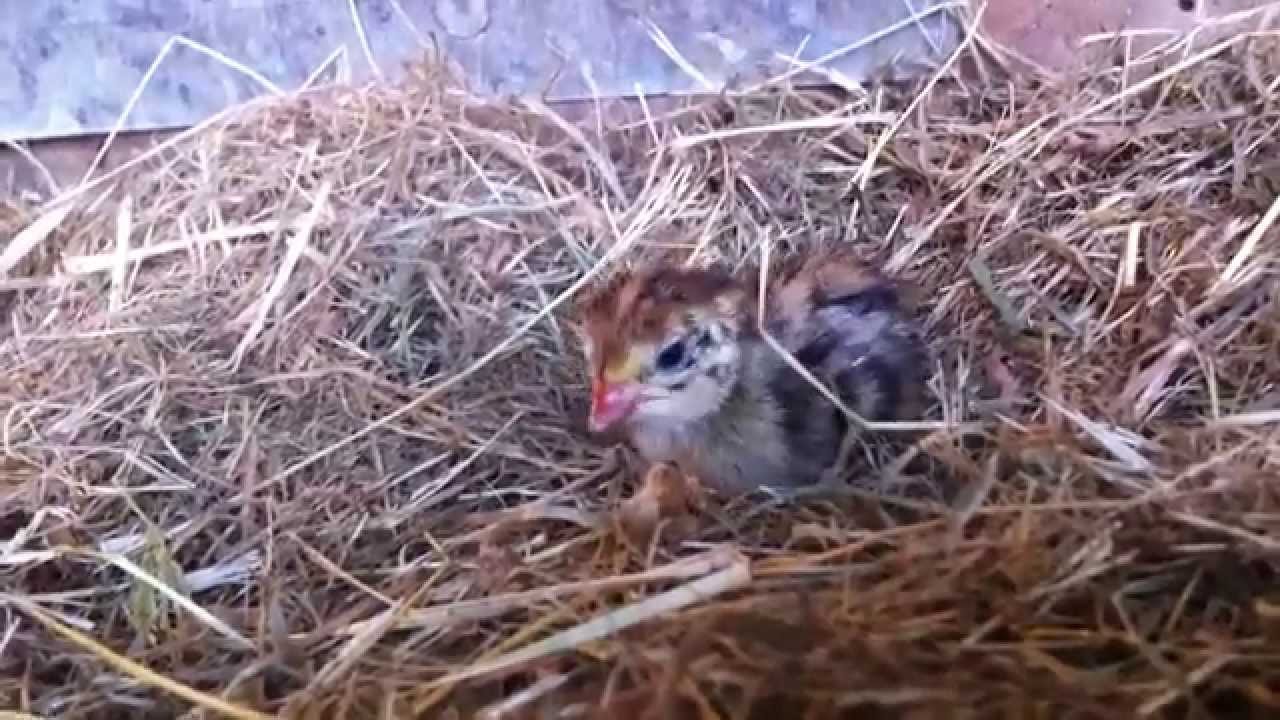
(661, 346)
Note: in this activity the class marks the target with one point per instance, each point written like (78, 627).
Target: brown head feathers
(645, 304)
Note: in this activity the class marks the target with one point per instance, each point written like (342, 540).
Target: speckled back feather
(850, 325)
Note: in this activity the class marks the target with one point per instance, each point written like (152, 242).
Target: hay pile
(308, 444)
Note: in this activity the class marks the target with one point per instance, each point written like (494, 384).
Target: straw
(318, 344)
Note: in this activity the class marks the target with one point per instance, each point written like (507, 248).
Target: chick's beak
(611, 403)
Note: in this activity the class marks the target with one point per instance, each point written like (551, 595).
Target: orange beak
(611, 404)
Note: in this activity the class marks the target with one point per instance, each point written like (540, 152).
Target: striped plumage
(679, 369)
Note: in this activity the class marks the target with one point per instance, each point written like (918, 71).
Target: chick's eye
(671, 357)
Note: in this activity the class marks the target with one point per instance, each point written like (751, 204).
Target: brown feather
(643, 305)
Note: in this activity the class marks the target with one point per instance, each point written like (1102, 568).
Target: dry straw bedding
(290, 412)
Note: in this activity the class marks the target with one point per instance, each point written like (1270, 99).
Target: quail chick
(680, 371)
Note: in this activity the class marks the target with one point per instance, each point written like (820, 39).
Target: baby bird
(679, 369)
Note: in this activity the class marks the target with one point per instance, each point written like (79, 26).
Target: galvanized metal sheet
(70, 67)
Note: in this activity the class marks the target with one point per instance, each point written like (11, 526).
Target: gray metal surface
(69, 67)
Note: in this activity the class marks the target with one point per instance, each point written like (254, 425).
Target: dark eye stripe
(877, 298)
(673, 357)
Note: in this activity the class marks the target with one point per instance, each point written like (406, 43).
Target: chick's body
(680, 370)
